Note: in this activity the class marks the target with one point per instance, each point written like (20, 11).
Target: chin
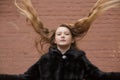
(63, 44)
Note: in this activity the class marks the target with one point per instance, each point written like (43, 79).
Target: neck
(63, 49)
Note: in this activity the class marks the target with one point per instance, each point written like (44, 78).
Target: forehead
(62, 29)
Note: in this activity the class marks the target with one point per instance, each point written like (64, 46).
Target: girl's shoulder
(45, 56)
(77, 53)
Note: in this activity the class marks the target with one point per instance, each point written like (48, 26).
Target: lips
(62, 40)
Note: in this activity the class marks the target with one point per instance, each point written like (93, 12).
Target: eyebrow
(64, 32)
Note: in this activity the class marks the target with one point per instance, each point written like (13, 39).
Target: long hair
(79, 28)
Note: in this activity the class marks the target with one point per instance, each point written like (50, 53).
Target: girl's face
(63, 37)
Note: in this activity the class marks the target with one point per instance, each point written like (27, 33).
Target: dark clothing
(73, 65)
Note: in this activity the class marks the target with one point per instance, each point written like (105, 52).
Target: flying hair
(79, 28)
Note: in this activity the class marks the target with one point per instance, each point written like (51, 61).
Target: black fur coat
(73, 65)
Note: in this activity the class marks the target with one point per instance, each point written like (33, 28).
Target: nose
(62, 36)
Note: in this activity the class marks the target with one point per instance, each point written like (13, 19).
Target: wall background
(17, 49)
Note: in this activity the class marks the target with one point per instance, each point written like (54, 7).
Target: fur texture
(52, 66)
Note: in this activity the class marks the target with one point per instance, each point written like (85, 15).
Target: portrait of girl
(63, 60)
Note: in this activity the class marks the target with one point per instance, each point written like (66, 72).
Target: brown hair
(78, 29)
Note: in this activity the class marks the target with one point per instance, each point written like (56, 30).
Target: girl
(63, 61)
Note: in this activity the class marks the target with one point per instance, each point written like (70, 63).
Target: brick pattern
(17, 50)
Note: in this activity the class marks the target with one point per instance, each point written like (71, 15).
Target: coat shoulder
(44, 57)
(80, 53)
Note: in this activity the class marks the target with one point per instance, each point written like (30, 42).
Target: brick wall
(17, 50)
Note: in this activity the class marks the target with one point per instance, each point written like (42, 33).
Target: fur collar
(71, 53)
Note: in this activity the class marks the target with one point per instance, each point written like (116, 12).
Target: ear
(54, 41)
(73, 41)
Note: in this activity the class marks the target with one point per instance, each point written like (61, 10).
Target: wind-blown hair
(79, 28)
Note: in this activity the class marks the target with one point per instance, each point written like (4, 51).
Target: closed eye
(58, 34)
(67, 33)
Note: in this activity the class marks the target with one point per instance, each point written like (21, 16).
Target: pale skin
(63, 39)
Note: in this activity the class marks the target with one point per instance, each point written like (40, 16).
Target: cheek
(56, 39)
(69, 38)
